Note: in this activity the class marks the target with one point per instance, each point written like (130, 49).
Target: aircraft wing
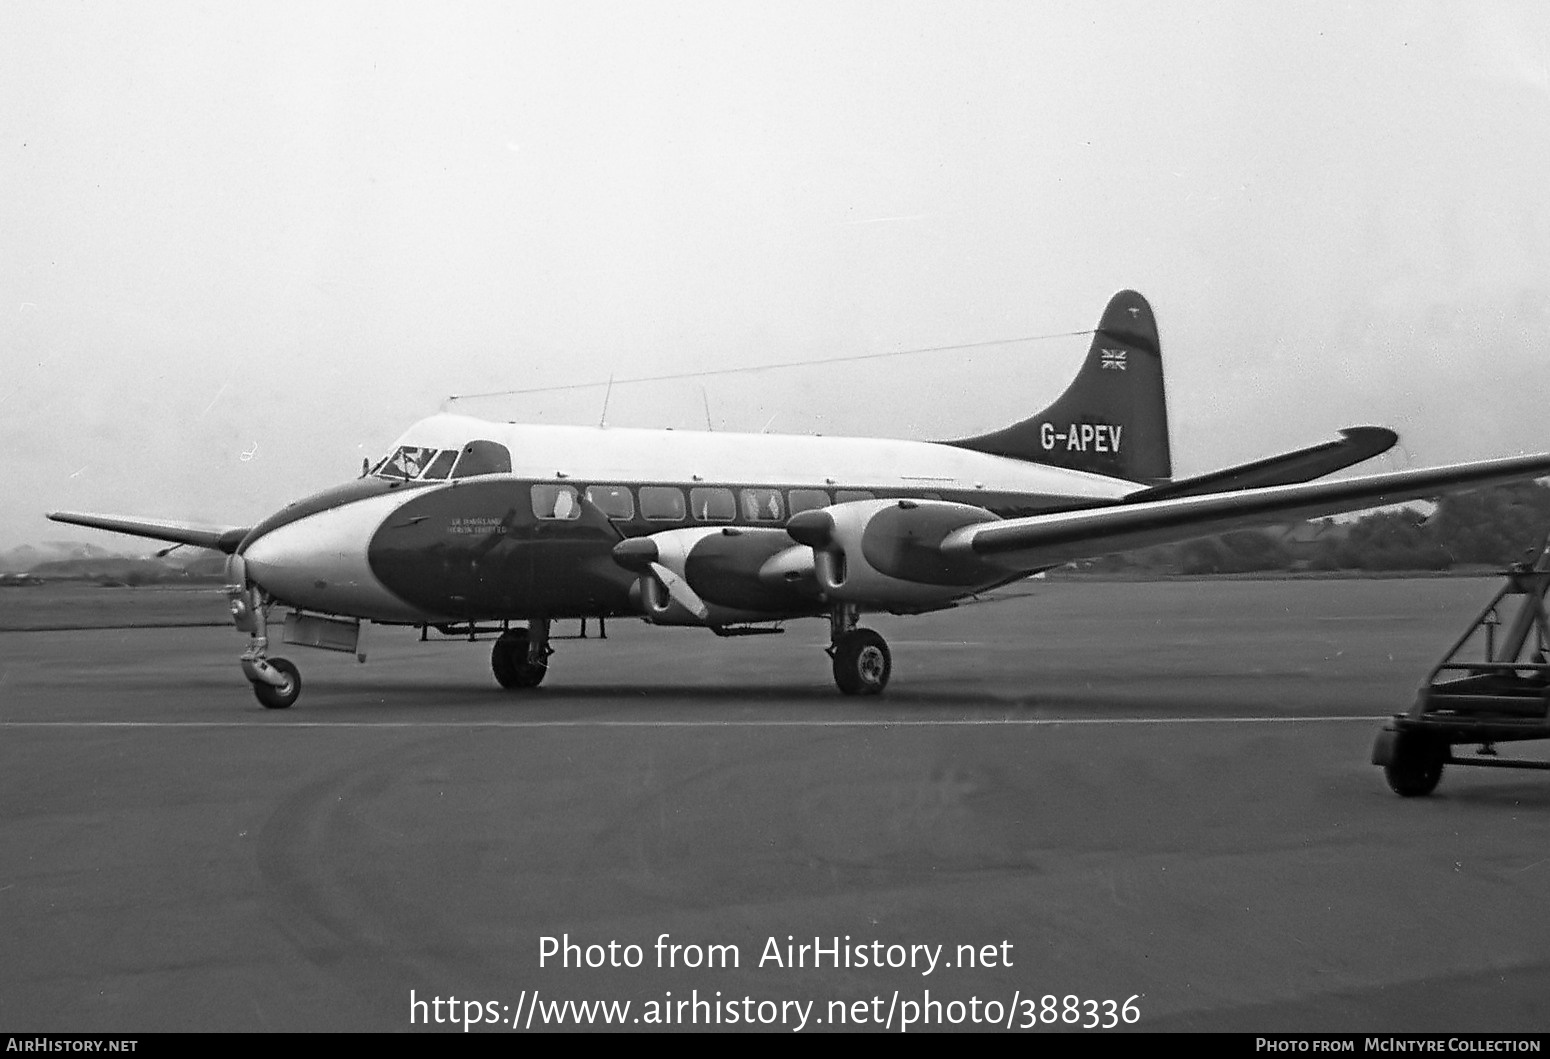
(1046, 540)
(221, 538)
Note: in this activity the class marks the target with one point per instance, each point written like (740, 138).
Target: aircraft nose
(321, 562)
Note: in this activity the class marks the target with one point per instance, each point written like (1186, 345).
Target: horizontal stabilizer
(220, 538)
(1041, 541)
(1355, 445)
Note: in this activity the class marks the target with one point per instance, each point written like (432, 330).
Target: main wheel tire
(862, 663)
(281, 697)
(1416, 765)
(508, 661)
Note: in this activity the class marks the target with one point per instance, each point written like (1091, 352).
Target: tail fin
(1113, 418)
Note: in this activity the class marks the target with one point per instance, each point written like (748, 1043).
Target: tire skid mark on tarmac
(369, 876)
(651, 828)
(903, 822)
(321, 896)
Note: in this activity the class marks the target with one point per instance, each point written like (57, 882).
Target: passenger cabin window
(662, 503)
(482, 457)
(761, 505)
(612, 500)
(406, 463)
(808, 499)
(555, 502)
(441, 466)
(712, 505)
(845, 496)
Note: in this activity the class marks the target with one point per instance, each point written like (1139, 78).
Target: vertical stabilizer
(1113, 418)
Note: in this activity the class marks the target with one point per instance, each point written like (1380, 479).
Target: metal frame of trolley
(1501, 696)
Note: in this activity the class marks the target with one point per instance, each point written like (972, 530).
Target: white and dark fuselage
(474, 520)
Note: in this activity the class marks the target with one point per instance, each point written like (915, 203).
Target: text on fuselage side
(476, 524)
(1081, 437)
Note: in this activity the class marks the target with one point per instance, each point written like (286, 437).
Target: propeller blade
(679, 589)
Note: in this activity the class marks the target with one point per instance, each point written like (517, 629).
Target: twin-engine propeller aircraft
(471, 525)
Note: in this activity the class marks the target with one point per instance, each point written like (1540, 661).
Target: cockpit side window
(482, 457)
(442, 464)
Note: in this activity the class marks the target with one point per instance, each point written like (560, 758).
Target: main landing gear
(520, 657)
(862, 663)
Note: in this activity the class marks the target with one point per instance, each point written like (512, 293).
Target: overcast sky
(243, 246)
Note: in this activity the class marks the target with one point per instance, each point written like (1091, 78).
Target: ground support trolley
(1502, 696)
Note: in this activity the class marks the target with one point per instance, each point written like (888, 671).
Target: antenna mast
(602, 420)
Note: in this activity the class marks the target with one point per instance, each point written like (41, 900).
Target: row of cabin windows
(667, 503)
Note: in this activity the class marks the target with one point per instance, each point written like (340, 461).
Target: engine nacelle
(888, 552)
(738, 574)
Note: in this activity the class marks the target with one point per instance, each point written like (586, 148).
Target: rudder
(1113, 418)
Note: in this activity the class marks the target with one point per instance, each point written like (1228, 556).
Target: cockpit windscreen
(409, 461)
(475, 458)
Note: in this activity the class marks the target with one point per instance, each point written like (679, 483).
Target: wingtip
(1373, 440)
(1369, 432)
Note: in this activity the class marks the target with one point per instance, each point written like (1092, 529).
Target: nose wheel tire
(279, 697)
(862, 663)
(509, 662)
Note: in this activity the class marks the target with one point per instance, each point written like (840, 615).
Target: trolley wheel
(508, 660)
(1416, 764)
(861, 662)
(282, 696)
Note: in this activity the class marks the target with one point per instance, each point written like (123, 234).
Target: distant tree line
(1484, 527)
(123, 571)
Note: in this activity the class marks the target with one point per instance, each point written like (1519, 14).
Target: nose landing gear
(273, 696)
(276, 682)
